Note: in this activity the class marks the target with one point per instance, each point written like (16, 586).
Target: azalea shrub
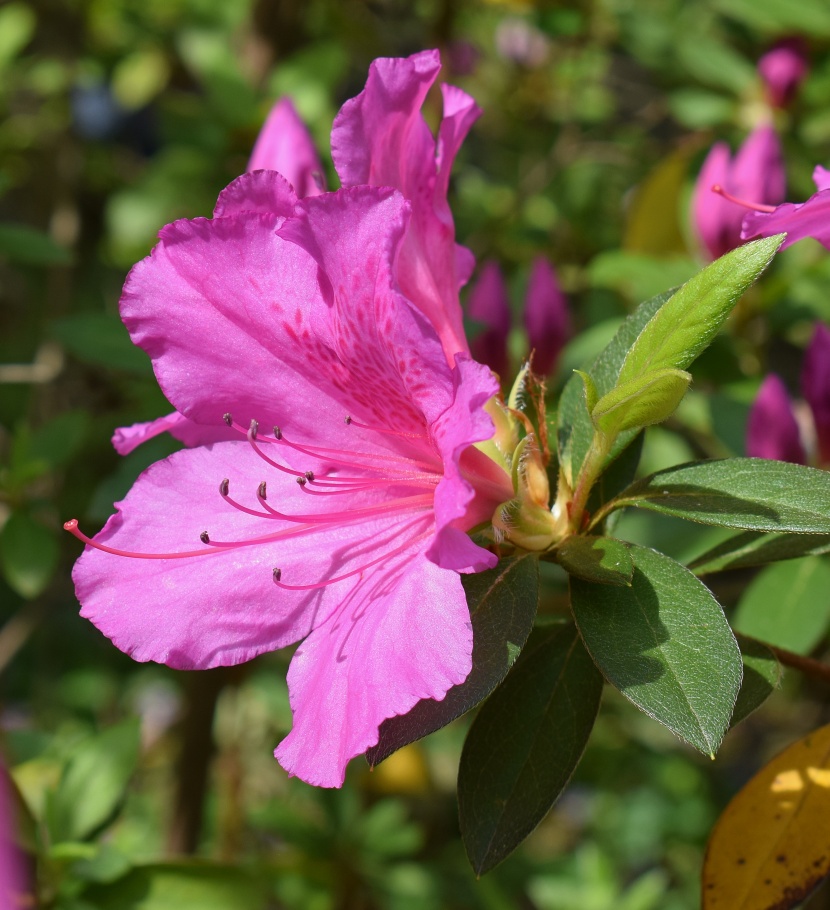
(479, 467)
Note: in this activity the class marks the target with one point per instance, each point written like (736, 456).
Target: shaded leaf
(762, 675)
(686, 325)
(28, 555)
(752, 493)
(524, 746)
(756, 549)
(603, 560)
(769, 850)
(787, 605)
(28, 246)
(502, 604)
(100, 339)
(93, 782)
(665, 644)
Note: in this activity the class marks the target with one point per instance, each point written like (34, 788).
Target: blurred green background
(146, 788)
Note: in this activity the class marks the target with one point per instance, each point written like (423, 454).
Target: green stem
(588, 474)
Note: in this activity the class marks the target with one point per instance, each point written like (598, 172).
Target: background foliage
(117, 117)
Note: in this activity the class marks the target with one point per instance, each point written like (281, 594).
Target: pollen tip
(302, 481)
(224, 486)
(71, 525)
(309, 475)
(277, 432)
(254, 428)
(347, 421)
(277, 574)
(261, 492)
(204, 537)
(228, 419)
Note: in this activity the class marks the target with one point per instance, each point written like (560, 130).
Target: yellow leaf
(771, 846)
(653, 222)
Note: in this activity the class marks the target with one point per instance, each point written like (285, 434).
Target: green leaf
(29, 246)
(28, 555)
(603, 560)
(688, 322)
(649, 399)
(100, 339)
(575, 429)
(590, 390)
(787, 604)
(93, 782)
(524, 746)
(502, 604)
(181, 885)
(665, 644)
(752, 493)
(756, 549)
(762, 674)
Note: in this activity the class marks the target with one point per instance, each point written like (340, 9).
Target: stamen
(351, 422)
(270, 461)
(277, 432)
(204, 537)
(254, 428)
(223, 487)
(330, 581)
(262, 490)
(72, 527)
(309, 475)
(336, 456)
(301, 481)
(754, 206)
(228, 419)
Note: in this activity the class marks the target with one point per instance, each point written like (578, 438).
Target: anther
(277, 574)
(223, 487)
(302, 481)
(228, 419)
(309, 475)
(262, 490)
(254, 428)
(347, 421)
(204, 537)
(277, 432)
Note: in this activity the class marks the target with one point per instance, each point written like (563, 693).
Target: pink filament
(755, 206)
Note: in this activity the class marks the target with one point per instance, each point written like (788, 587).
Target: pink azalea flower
(489, 305)
(344, 527)
(285, 145)
(547, 316)
(755, 173)
(379, 138)
(773, 431)
(797, 220)
(783, 69)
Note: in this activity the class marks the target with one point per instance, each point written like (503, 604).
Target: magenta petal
(400, 635)
(266, 192)
(772, 431)
(489, 305)
(547, 316)
(783, 68)
(284, 145)
(807, 219)
(815, 386)
(381, 138)
(224, 608)
(712, 213)
(126, 439)
(757, 174)
(821, 177)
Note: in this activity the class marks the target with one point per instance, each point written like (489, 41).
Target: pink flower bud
(815, 387)
(547, 316)
(489, 305)
(783, 69)
(772, 431)
(285, 145)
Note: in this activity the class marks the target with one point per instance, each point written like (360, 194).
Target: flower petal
(711, 211)
(807, 219)
(126, 439)
(381, 138)
(224, 608)
(815, 386)
(401, 635)
(772, 431)
(262, 191)
(821, 177)
(285, 145)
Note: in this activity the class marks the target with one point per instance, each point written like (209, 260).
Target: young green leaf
(524, 746)
(599, 559)
(787, 604)
(502, 605)
(752, 548)
(762, 675)
(686, 325)
(641, 402)
(752, 493)
(591, 396)
(665, 644)
(28, 555)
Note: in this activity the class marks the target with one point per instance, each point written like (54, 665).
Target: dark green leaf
(179, 886)
(101, 340)
(752, 548)
(686, 325)
(762, 674)
(599, 559)
(641, 402)
(93, 782)
(574, 427)
(28, 555)
(787, 604)
(502, 606)
(665, 644)
(29, 246)
(524, 746)
(60, 439)
(752, 493)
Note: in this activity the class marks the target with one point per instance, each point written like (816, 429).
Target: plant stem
(588, 474)
(807, 665)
